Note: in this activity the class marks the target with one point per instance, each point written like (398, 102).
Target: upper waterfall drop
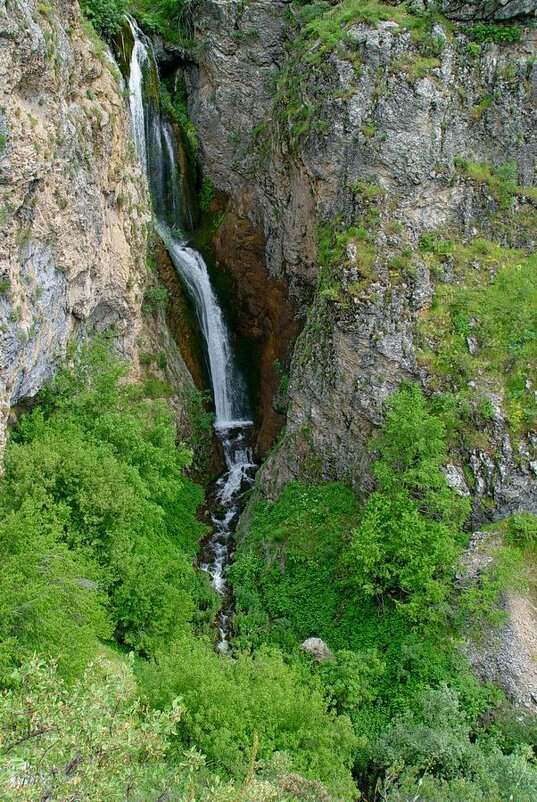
(136, 100)
(154, 141)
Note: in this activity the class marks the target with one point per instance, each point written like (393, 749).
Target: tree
(409, 535)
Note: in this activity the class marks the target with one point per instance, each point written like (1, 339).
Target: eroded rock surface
(384, 116)
(73, 203)
(505, 655)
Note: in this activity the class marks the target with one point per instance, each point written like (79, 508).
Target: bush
(487, 32)
(522, 530)
(231, 704)
(409, 535)
(96, 514)
(170, 18)
(105, 15)
(431, 753)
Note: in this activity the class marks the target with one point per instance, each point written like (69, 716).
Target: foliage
(173, 96)
(50, 597)
(377, 585)
(93, 740)
(481, 601)
(494, 301)
(169, 18)
(96, 515)
(488, 32)
(205, 195)
(408, 537)
(285, 572)
(155, 298)
(522, 530)
(105, 15)
(97, 537)
(431, 754)
(228, 704)
(351, 678)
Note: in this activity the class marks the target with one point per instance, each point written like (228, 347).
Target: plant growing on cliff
(105, 15)
(155, 299)
(172, 19)
(489, 32)
(405, 546)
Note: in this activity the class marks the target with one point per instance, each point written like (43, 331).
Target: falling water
(156, 148)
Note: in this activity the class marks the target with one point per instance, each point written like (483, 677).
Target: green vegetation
(155, 298)
(376, 582)
(97, 537)
(488, 32)
(98, 528)
(322, 28)
(105, 15)
(522, 531)
(413, 498)
(98, 533)
(174, 103)
(205, 195)
(494, 301)
(501, 181)
(354, 246)
(169, 18)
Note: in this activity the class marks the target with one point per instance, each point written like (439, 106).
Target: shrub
(408, 537)
(228, 702)
(105, 15)
(488, 32)
(155, 298)
(93, 498)
(522, 530)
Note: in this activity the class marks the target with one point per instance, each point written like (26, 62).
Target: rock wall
(497, 10)
(74, 206)
(386, 113)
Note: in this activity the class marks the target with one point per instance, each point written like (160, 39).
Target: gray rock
(73, 203)
(456, 479)
(481, 10)
(318, 649)
(359, 345)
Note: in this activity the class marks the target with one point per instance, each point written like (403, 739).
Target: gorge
(268, 401)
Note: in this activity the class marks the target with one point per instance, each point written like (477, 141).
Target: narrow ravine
(155, 143)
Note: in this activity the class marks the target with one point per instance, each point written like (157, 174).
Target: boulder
(318, 649)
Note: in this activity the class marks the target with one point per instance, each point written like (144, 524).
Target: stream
(156, 147)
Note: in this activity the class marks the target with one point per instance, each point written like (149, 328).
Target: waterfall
(156, 147)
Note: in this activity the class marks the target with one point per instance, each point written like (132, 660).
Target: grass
(493, 300)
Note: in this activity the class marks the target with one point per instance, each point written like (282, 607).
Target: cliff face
(345, 156)
(73, 203)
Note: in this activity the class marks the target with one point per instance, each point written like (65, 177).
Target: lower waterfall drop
(155, 145)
